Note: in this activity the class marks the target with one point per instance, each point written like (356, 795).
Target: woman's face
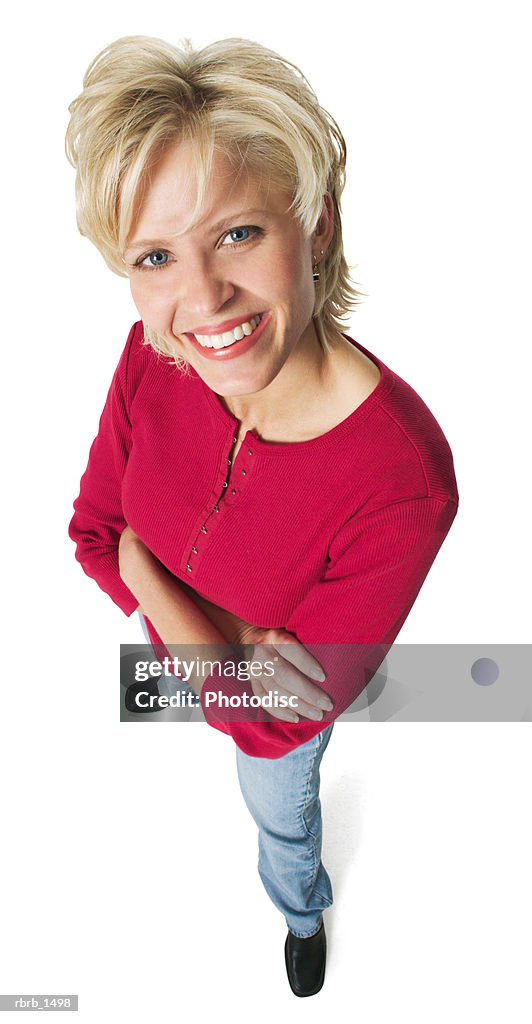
(245, 258)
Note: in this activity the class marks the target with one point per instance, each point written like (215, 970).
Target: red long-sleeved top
(330, 539)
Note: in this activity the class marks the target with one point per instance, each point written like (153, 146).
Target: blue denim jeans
(282, 795)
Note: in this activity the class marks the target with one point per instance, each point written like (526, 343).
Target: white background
(129, 858)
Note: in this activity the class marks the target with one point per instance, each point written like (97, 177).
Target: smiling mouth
(228, 338)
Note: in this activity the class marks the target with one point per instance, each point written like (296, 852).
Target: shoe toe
(305, 962)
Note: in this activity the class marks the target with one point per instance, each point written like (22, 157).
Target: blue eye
(238, 235)
(157, 258)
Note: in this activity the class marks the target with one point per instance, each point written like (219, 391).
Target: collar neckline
(336, 433)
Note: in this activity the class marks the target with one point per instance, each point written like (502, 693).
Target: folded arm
(350, 618)
(180, 616)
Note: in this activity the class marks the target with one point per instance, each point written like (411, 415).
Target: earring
(315, 271)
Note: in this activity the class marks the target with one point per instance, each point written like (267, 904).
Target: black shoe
(305, 962)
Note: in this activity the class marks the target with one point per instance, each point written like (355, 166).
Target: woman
(258, 477)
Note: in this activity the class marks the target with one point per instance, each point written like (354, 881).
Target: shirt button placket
(244, 454)
(194, 551)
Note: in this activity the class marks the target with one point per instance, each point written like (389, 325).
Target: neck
(301, 380)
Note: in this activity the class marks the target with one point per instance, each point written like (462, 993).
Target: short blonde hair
(140, 94)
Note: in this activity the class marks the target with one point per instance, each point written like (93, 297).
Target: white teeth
(229, 337)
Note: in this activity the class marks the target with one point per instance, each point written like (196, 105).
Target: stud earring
(315, 271)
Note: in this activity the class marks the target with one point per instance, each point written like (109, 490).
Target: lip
(226, 325)
(239, 348)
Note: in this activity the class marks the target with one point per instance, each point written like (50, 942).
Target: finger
(293, 681)
(285, 714)
(297, 704)
(294, 652)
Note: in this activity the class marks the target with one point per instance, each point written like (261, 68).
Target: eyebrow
(141, 243)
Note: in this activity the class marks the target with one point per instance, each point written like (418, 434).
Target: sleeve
(98, 519)
(351, 617)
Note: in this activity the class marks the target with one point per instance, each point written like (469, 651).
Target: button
(235, 440)
(194, 551)
(216, 508)
(243, 472)
(250, 452)
(229, 462)
(204, 529)
(226, 484)
(189, 568)
(233, 491)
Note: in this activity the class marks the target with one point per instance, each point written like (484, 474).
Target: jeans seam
(315, 859)
(314, 865)
(309, 780)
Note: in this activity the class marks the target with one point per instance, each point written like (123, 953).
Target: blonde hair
(140, 94)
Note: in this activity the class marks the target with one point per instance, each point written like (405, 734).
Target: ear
(322, 236)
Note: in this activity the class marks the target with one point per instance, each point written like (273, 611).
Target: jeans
(282, 795)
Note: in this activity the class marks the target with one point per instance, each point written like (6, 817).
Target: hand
(230, 626)
(293, 667)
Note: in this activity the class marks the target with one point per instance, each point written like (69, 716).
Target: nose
(204, 289)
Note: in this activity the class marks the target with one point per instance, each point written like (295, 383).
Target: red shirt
(330, 539)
